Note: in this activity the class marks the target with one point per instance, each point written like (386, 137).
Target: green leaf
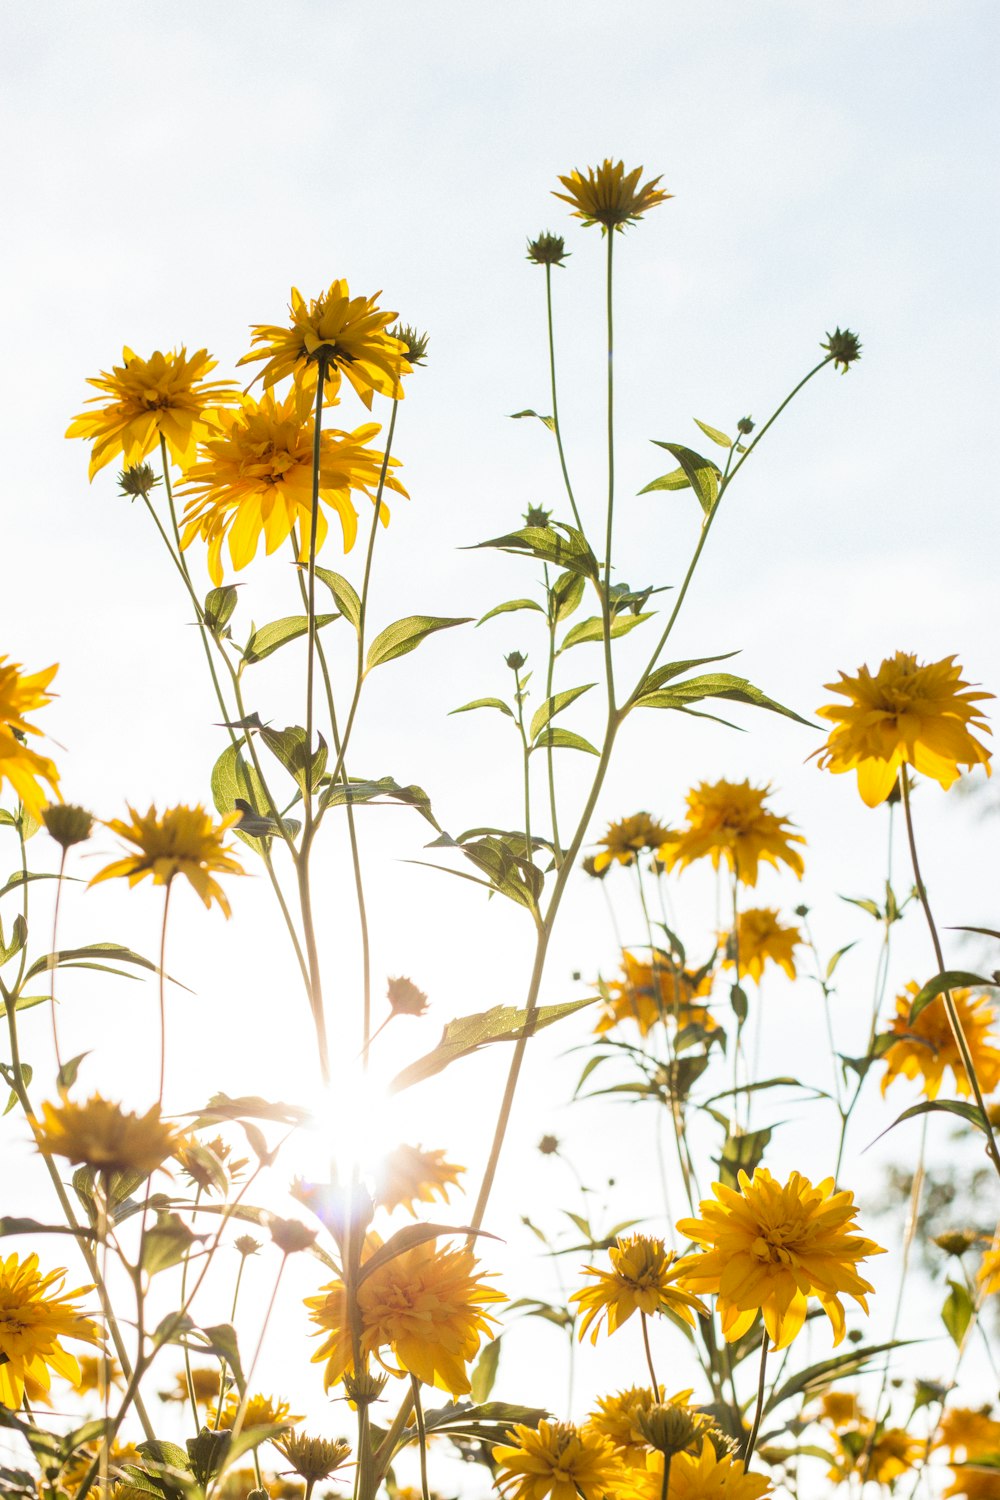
(714, 434)
(957, 1312)
(66, 1076)
(484, 1372)
(508, 608)
(71, 958)
(404, 636)
(288, 746)
(484, 703)
(702, 475)
(234, 780)
(675, 480)
(835, 960)
(18, 938)
(27, 1073)
(715, 685)
(269, 638)
(344, 595)
(219, 606)
(671, 669)
(815, 1379)
(567, 591)
(553, 706)
(249, 1106)
(381, 793)
(951, 979)
(556, 543)
(742, 1151)
(467, 1034)
(563, 739)
(593, 629)
(409, 1238)
(969, 1112)
(550, 422)
(167, 1243)
(22, 877)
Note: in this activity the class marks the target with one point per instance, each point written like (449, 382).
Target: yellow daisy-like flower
(105, 1137)
(771, 1246)
(557, 1460)
(204, 1379)
(908, 713)
(988, 1275)
(410, 1175)
(610, 196)
(35, 1314)
(700, 1476)
(974, 1484)
(617, 1418)
(763, 939)
(25, 769)
(350, 335)
(967, 1432)
(76, 1468)
(260, 1411)
(627, 839)
(927, 1045)
(181, 841)
(839, 1408)
(254, 477)
(878, 1455)
(642, 1279)
(90, 1367)
(143, 400)
(727, 821)
(650, 992)
(426, 1305)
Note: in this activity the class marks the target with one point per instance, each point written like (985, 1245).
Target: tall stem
(163, 995)
(649, 1355)
(610, 518)
(759, 1412)
(421, 1436)
(555, 404)
(52, 980)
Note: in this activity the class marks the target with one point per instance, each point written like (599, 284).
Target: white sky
(170, 172)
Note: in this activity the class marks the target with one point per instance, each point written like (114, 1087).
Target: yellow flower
(641, 1280)
(839, 1408)
(968, 1433)
(24, 768)
(608, 196)
(75, 1470)
(927, 1045)
(727, 820)
(975, 1484)
(652, 991)
(101, 1134)
(145, 399)
(908, 713)
(348, 332)
(770, 1247)
(624, 840)
(556, 1459)
(183, 841)
(204, 1378)
(90, 1367)
(426, 1305)
(763, 938)
(878, 1454)
(617, 1418)
(702, 1476)
(408, 1174)
(313, 1458)
(988, 1275)
(260, 1411)
(254, 477)
(35, 1313)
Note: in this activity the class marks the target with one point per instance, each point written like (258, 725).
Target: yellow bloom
(24, 768)
(974, 1484)
(762, 938)
(426, 1305)
(145, 399)
(641, 1280)
(617, 1418)
(204, 1378)
(608, 196)
(349, 332)
(927, 1045)
(839, 1408)
(727, 821)
(988, 1275)
(967, 1433)
(35, 1313)
(771, 1246)
(183, 841)
(75, 1470)
(624, 840)
(556, 1459)
(650, 992)
(908, 713)
(409, 1174)
(101, 1134)
(701, 1476)
(90, 1367)
(260, 1411)
(878, 1455)
(254, 477)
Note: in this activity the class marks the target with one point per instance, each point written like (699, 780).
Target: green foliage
(467, 1034)
(270, 638)
(404, 636)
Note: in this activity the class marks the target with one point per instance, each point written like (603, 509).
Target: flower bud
(416, 343)
(405, 998)
(844, 346)
(68, 824)
(137, 481)
(515, 661)
(547, 250)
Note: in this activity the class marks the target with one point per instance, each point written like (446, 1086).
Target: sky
(177, 170)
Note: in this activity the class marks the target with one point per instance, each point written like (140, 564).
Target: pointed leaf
(714, 434)
(484, 1372)
(563, 739)
(234, 780)
(593, 629)
(484, 703)
(675, 480)
(957, 1312)
(715, 685)
(815, 1378)
(969, 1112)
(344, 595)
(467, 1034)
(703, 475)
(269, 638)
(405, 635)
(550, 422)
(556, 543)
(553, 706)
(508, 608)
(951, 979)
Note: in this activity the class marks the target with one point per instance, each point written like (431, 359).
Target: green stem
(609, 520)
(421, 1436)
(555, 404)
(163, 996)
(759, 1412)
(52, 981)
(549, 675)
(649, 1354)
(223, 1368)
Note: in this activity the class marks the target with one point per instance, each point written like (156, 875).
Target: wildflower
(537, 515)
(515, 661)
(619, 1417)
(839, 1408)
(414, 343)
(91, 1373)
(957, 1242)
(204, 1381)
(745, 426)
(845, 347)
(727, 821)
(874, 1451)
(409, 1174)
(254, 477)
(209, 1164)
(104, 1136)
(313, 1458)
(624, 840)
(181, 841)
(24, 768)
(67, 824)
(641, 1279)
(702, 1476)
(609, 197)
(139, 481)
(761, 939)
(246, 1245)
(988, 1275)
(549, 1145)
(548, 250)
(426, 1305)
(347, 332)
(291, 1236)
(967, 1432)
(974, 1484)
(771, 1246)
(927, 1045)
(143, 400)
(670, 1428)
(556, 1459)
(260, 1411)
(649, 992)
(405, 999)
(589, 867)
(35, 1313)
(907, 714)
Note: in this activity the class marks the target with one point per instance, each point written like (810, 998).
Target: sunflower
(907, 714)
(21, 694)
(650, 992)
(761, 939)
(556, 1459)
(143, 400)
(641, 1279)
(254, 477)
(35, 1313)
(618, 1417)
(771, 1246)
(700, 1476)
(426, 1305)
(181, 841)
(409, 1174)
(105, 1137)
(727, 821)
(349, 333)
(623, 841)
(609, 196)
(927, 1045)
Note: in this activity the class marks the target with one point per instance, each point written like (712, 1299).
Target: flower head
(557, 1460)
(907, 713)
(25, 769)
(104, 1136)
(760, 939)
(651, 992)
(728, 822)
(347, 333)
(547, 250)
(260, 1411)
(138, 481)
(35, 1314)
(844, 346)
(181, 841)
(405, 998)
(623, 841)
(771, 1246)
(703, 1475)
(927, 1045)
(411, 1175)
(91, 1367)
(988, 1275)
(314, 1458)
(642, 1279)
(839, 1408)
(609, 196)
(875, 1452)
(967, 1432)
(414, 342)
(67, 823)
(619, 1418)
(143, 400)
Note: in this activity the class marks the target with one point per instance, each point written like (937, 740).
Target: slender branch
(421, 1436)
(555, 404)
(649, 1354)
(759, 1412)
